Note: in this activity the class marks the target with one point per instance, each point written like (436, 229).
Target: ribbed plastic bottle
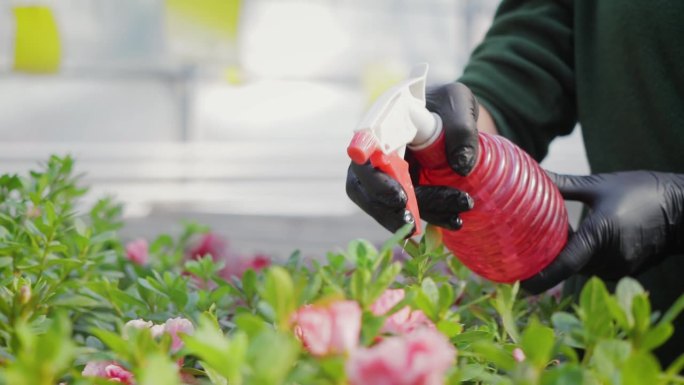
(519, 222)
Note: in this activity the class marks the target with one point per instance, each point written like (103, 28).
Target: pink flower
(136, 324)
(109, 370)
(329, 329)
(176, 326)
(209, 244)
(236, 266)
(137, 251)
(157, 331)
(518, 355)
(258, 262)
(404, 320)
(188, 379)
(418, 358)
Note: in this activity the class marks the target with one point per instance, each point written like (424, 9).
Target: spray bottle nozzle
(362, 146)
(397, 119)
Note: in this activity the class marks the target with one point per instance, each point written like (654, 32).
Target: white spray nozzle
(397, 119)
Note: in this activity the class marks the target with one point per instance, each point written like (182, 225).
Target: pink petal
(137, 251)
(403, 321)
(419, 358)
(118, 373)
(518, 355)
(346, 327)
(209, 244)
(176, 326)
(96, 369)
(389, 299)
(157, 330)
(314, 328)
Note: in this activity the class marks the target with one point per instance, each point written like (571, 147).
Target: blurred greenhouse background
(232, 113)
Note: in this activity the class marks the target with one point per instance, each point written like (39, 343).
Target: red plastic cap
(362, 145)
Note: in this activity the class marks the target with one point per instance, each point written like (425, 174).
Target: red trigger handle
(397, 168)
(364, 147)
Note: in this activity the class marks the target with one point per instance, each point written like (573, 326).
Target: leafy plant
(75, 309)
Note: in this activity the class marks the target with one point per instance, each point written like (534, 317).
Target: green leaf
(76, 300)
(359, 281)
(333, 367)
(159, 369)
(271, 356)
(467, 338)
(423, 302)
(626, 289)
(383, 281)
(250, 324)
(397, 238)
(223, 355)
(278, 292)
(656, 336)
(371, 326)
(641, 310)
(449, 328)
(537, 342)
(640, 369)
(249, 283)
(503, 303)
(563, 375)
(5, 261)
(446, 297)
(433, 238)
(431, 291)
(593, 305)
(609, 356)
(569, 326)
(114, 341)
(495, 354)
(214, 376)
(622, 318)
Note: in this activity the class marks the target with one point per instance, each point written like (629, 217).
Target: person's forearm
(485, 122)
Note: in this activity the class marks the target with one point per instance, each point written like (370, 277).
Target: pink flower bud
(518, 355)
(137, 252)
(24, 294)
(209, 244)
(136, 324)
(418, 358)
(176, 326)
(403, 321)
(329, 329)
(109, 370)
(157, 331)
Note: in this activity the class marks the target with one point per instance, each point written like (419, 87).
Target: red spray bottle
(519, 222)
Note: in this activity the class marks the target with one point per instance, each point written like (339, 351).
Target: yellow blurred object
(219, 16)
(233, 75)
(37, 46)
(378, 78)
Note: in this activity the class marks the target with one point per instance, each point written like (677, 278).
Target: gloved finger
(390, 217)
(458, 108)
(378, 185)
(576, 187)
(580, 248)
(441, 205)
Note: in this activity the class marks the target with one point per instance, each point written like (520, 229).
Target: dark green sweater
(616, 67)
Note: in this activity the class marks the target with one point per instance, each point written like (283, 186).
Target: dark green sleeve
(523, 72)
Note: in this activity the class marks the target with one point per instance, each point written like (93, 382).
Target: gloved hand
(636, 219)
(385, 200)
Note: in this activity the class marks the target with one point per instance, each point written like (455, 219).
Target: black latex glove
(636, 219)
(385, 200)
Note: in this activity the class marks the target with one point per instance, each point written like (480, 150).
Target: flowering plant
(79, 306)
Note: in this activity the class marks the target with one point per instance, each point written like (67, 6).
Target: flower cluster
(174, 327)
(414, 354)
